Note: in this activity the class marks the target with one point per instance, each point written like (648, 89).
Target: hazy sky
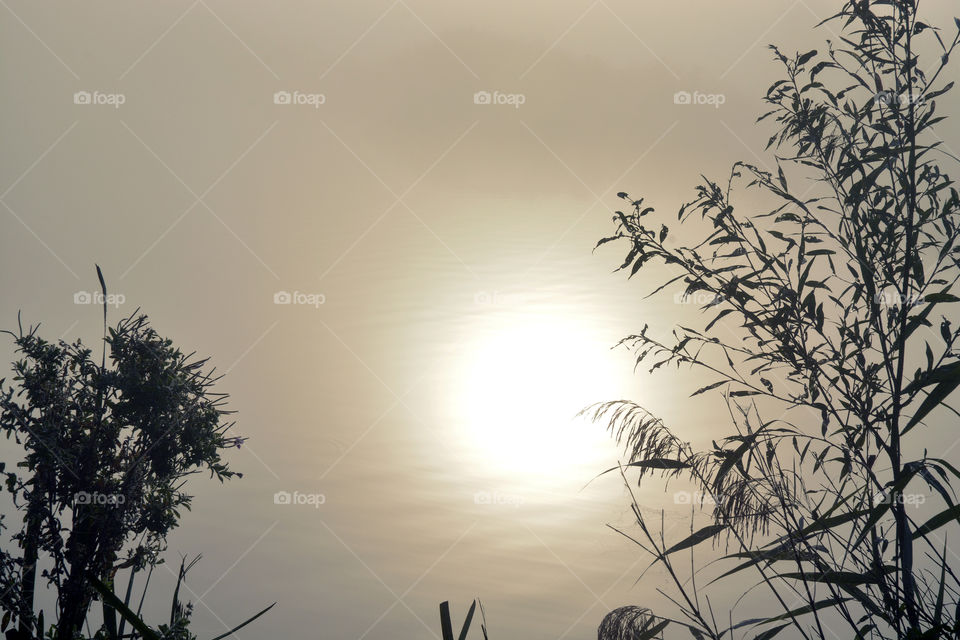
(449, 316)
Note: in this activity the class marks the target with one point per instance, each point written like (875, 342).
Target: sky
(377, 219)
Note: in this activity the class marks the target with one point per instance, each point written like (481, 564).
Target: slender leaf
(696, 538)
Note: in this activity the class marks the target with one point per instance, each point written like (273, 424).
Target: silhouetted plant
(446, 623)
(822, 342)
(630, 623)
(180, 612)
(107, 446)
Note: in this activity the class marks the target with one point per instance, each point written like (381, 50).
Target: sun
(523, 381)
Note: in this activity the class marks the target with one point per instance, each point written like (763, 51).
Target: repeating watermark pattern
(891, 98)
(115, 100)
(299, 98)
(95, 297)
(496, 497)
(311, 499)
(701, 298)
(699, 98)
(497, 298)
(95, 498)
(693, 497)
(704, 498)
(498, 97)
(298, 297)
(895, 299)
(908, 499)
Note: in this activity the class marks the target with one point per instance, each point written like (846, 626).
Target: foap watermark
(497, 298)
(890, 298)
(497, 97)
(102, 499)
(701, 298)
(496, 497)
(298, 97)
(114, 100)
(298, 297)
(904, 99)
(697, 97)
(693, 497)
(908, 499)
(95, 297)
(310, 499)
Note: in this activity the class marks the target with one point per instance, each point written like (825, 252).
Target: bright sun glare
(523, 384)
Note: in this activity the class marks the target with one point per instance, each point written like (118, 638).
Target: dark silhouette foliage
(108, 444)
(828, 333)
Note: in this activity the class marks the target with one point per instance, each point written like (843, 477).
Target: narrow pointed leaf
(107, 595)
(244, 623)
(944, 517)
(696, 538)
(466, 623)
(769, 633)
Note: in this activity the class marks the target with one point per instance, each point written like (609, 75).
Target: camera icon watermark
(886, 97)
(311, 499)
(96, 297)
(298, 297)
(299, 98)
(497, 97)
(699, 98)
(100, 499)
(496, 497)
(115, 100)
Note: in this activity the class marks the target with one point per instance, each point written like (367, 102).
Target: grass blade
(107, 594)
(244, 623)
